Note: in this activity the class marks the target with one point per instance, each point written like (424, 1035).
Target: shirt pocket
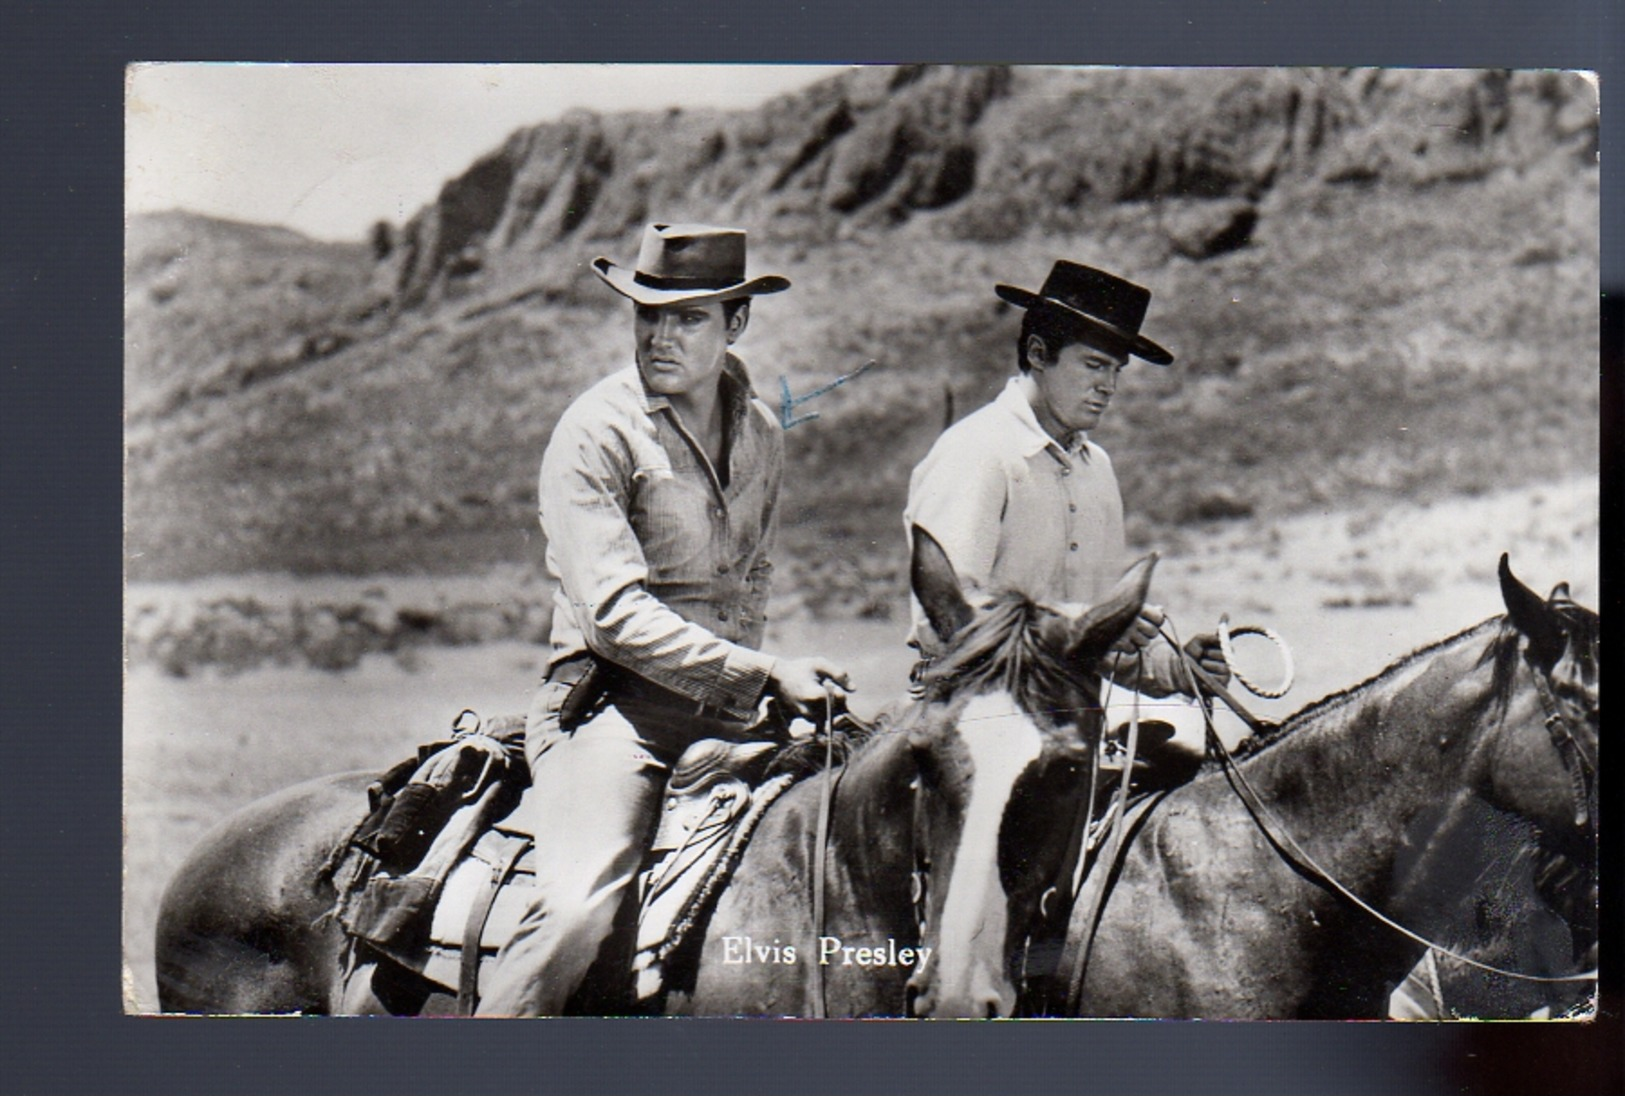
(673, 515)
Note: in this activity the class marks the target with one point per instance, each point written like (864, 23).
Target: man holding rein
(1021, 499)
(659, 490)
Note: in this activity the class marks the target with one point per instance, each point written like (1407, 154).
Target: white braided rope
(1225, 635)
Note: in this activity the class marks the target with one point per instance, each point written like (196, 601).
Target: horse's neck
(1347, 780)
(871, 822)
(874, 792)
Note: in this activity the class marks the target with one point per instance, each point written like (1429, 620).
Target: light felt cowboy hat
(682, 263)
(1096, 303)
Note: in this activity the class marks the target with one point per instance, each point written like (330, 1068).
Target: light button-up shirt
(661, 568)
(1017, 510)
(1014, 509)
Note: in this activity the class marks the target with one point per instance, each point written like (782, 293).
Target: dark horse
(942, 837)
(1223, 911)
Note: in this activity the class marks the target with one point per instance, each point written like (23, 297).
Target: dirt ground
(1350, 592)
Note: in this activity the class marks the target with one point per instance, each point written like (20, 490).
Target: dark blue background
(61, 117)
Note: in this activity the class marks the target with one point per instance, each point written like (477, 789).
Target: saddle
(432, 880)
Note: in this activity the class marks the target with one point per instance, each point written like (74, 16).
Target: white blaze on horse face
(1002, 741)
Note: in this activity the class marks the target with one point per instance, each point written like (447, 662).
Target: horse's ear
(1531, 616)
(936, 587)
(1098, 628)
(1560, 593)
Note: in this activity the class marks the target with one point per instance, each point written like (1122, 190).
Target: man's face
(681, 348)
(1075, 385)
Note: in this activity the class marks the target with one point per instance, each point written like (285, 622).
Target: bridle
(919, 876)
(1578, 762)
(920, 873)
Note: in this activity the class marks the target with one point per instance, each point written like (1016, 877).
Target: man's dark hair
(1050, 327)
(1058, 331)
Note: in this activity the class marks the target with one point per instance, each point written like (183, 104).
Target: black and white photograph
(845, 541)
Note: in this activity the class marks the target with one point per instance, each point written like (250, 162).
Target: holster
(588, 677)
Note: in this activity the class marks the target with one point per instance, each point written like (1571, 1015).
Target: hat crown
(678, 264)
(690, 257)
(1120, 303)
(1095, 304)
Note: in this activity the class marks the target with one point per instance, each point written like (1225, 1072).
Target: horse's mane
(1579, 626)
(805, 756)
(1502, 651)
(1316, 710)
(1000, 649)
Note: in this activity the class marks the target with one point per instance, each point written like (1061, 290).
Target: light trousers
(595, 798)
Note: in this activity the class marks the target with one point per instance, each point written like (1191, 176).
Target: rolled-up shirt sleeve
(585, 504)
(1152, 672)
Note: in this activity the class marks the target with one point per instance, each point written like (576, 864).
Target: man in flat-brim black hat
(1017, 494)
(659, 490)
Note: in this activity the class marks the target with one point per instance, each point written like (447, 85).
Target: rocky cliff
(987, 153)
(1371, 278)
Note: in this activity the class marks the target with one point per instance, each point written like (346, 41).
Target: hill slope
(1376, 283)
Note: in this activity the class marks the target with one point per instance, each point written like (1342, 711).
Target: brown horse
(1225, 910)
(941, 832)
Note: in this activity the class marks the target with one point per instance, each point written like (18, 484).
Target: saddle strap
(1087, 905)
(1091, 899)
(468, 976)
(826, 801)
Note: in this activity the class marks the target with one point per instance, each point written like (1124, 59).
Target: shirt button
(722, 568)
(722, 614)
(1074, 546)
(1072, 506)
(1066, 469)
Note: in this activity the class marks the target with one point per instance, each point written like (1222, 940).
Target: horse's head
(1001, 746)
(1541, 759)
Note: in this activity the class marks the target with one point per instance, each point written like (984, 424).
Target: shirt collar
(1017, 399)
(737, 391)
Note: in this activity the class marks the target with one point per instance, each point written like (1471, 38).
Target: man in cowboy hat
(658, 496)
(1017, 494)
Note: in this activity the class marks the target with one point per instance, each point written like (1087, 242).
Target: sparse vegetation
(1409, 313)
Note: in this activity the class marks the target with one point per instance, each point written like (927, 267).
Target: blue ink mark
(788, 403)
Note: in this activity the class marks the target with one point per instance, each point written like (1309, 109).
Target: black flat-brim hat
(679, 264)
(1096, 303)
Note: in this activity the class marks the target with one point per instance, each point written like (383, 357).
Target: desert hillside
(1378, 285)
(1381, 288)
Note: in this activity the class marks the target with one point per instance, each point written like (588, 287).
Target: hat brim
(624, 282)
(1138, 345)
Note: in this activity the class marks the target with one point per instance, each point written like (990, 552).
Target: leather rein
(1579, 764)
(1557, 724)
(826, 802)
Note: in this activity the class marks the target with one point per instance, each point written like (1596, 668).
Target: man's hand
(799, 685)
(1207, 653)
(1142, 633)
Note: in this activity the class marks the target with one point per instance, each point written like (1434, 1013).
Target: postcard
(846, 541)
